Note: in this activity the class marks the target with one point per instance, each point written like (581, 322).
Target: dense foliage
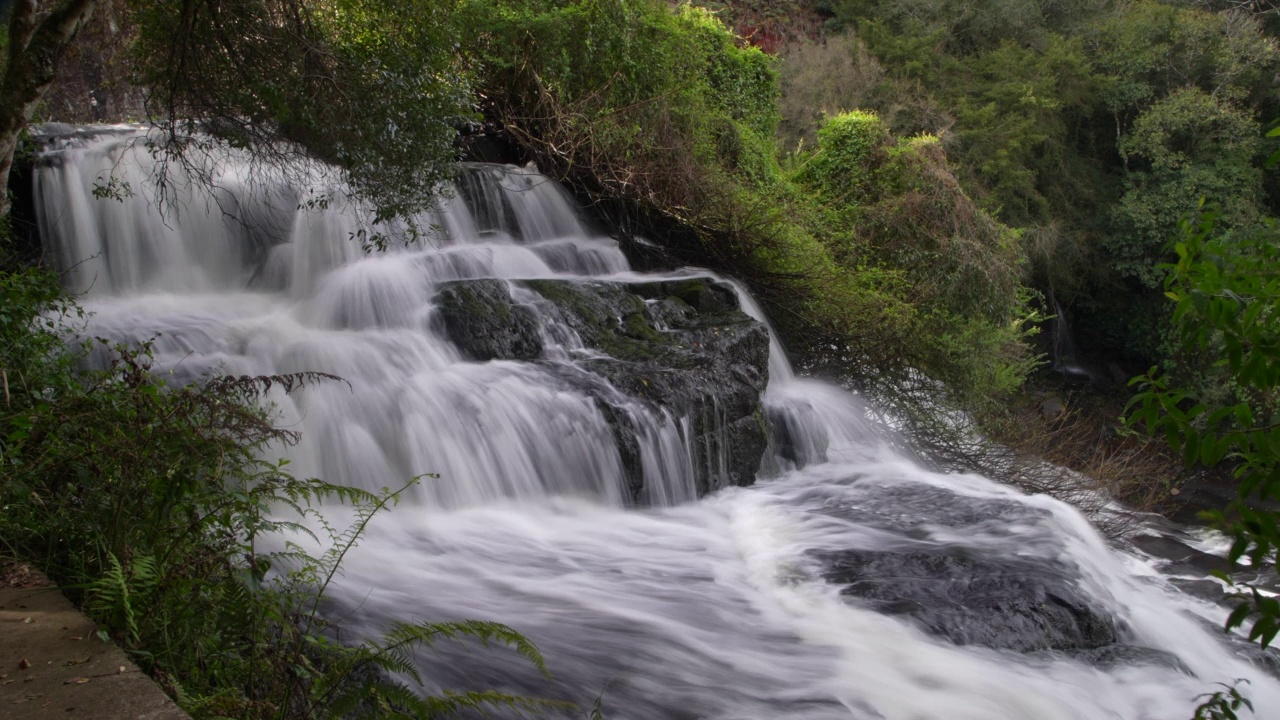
(1226, 295)
(348, 83)
(1090, 125)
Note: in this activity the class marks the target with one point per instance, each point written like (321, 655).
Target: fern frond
(254, 387)
(399, 701)
(428, 633)
(332, 559)
(597, 707)
(396, 660)
(450, 703)
(110, 598)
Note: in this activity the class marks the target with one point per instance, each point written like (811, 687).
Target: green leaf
(1212, 451)
(1191, 446)
(1237, 617)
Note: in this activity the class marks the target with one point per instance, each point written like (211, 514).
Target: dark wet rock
(1205, 589)
(1121, 655)
(970, 599)
(1182, 558)
(912, 509)
(684, 347)
(1267, 659)
(796, 436)
(481, 319)
(1052, 407)
(1189, 568)
(745, 443)
(686, 324)
(1015, 589)
(1209, 490)
(681, 345)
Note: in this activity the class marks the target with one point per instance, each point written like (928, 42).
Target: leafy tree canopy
(376, 88)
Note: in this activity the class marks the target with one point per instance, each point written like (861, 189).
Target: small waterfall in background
(1066, 358)
(847, 582)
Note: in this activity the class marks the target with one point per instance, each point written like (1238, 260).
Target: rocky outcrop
(680, 345)
(975, 600)
(1022, 596)
(479, 317)
(795, 436)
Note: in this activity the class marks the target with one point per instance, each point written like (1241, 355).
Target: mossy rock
(684, 345)
(681, 345)
(703, 295)
(481, 319)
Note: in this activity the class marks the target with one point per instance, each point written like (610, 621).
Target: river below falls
(864, 586)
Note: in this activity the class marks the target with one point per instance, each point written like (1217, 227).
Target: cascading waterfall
(848, 582)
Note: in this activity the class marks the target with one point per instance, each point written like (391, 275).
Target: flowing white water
(724, 607)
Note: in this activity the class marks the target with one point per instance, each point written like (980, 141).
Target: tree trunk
(35, 46)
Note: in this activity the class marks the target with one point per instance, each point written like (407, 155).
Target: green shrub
(1187, 146)
(635, 80)
(957, 256)
(851, 148)
(893, 213)
(929, 282)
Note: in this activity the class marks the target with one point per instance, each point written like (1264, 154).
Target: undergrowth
(148, 504)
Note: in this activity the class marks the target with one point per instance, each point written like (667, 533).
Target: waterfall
(1066, 360)
(847, 582)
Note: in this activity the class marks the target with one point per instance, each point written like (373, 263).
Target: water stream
(865, 586)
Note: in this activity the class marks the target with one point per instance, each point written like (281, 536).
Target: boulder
(680, 346)
(1018, 589)
(1122, 655)
(480, 318)
(970, 599)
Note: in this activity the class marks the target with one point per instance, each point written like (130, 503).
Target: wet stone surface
(972, 600)
(683, 347)
(1024, 598)
(480, 318)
